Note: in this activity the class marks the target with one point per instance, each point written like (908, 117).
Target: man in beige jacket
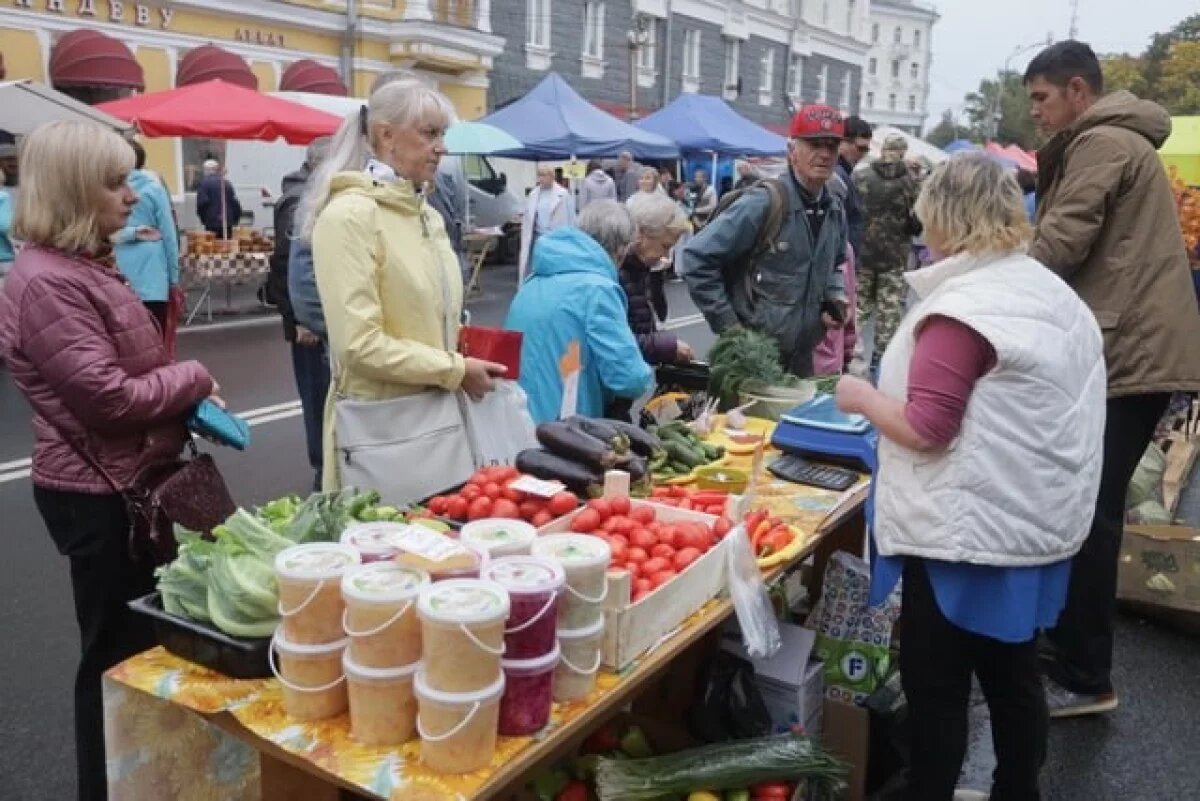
(1107, 224)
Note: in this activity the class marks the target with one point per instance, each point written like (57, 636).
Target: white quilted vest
(1018, 485)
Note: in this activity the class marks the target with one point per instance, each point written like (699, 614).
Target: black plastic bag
(730, 706)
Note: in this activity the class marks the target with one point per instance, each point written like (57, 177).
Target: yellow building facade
(448, 41)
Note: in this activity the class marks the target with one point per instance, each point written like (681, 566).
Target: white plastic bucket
(381, 614)
(575, 675)
(314, 686)
(383, 705)
(310, 593)
(462, 633)
(457, 730)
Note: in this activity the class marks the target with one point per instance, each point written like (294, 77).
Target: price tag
(538, 487)
(426, 543)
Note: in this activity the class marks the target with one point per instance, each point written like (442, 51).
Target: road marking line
(230, 325)
(682, 322)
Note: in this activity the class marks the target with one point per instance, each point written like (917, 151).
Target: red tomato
(516, 496)
(636, 556)
(601, 506)
(586, 521)
(643, 585)
(471, 492)
(492, 490)
(456, 507)
(643, 539)
(506, 509)
(437, 504)
(771, 790)
(685, 557)
(541, 518)
(691, 536)
(563, 503)
(480, 508)
(620, 505)
(669, 535)
(609, 526)
(621, 538)
(642, 514)
(480, 477)
(623, 525)
(529, 509)
(663, 550)
(655, 564)
(722, 526)
(662, 577)
(620, 549)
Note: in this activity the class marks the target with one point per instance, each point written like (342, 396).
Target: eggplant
(581, 479)
(643, 443)
(602, 430)
(578, 446)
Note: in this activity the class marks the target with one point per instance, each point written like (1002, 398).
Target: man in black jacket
(310, 359)
(855, 145)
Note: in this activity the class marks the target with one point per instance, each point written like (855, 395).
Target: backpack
(772, 224)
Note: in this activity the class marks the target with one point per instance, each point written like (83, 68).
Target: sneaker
(1065, 704)
(966, 794)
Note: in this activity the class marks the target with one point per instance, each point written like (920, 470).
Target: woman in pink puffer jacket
(90, 360)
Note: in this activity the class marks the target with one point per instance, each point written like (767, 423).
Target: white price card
(538, 487)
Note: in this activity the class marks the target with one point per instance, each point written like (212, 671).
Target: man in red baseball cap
(770, 257)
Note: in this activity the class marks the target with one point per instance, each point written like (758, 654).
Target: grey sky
(974, 37)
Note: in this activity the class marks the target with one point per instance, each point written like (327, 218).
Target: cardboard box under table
(1159, 571)
(171, 724)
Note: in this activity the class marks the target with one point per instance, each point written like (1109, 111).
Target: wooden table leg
(283, 782)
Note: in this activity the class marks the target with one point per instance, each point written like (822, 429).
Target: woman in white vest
(549, 206)
(990, 411)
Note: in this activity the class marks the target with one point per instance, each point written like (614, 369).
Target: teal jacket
(6, 247)
(151, 267)
(573, 295)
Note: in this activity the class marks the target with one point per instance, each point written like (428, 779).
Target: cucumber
(681, 453)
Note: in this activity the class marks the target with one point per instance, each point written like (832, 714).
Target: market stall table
(228, 270)
(178, 730)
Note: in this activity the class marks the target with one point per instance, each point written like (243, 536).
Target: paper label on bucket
(538, 487)
(387, 579)
(569, 548)
(317, 561)
(524, 575)
(465, 601)
(373, 537)
(427, 544)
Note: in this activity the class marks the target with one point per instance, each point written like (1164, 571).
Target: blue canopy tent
(707, 124)
(554, 122)
(959, 145)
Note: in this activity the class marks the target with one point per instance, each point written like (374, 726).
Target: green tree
(1123, 71)
(1178, 86)
(999, 110)
(1188, 30)
(947, 130)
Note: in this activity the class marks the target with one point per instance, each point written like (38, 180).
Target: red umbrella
(219, 110)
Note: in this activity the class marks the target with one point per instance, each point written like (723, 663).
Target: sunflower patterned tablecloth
(158, 750)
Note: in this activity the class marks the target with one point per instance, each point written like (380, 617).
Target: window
(733, 55)
(875, 33)
(593, 30)
(539, 23)
(896, 69)
(915, 70)
(646, 54)
(912, 102)
(872, 66)
(825, 13)
(896, 35)
(766, 78)
(796, 77)
(691, 54)
(870, 100)
(851, 10)
(823, 84)
(892, 102)
(916, 37)
(844, 99)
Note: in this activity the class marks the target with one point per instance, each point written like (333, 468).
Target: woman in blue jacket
(578, 352)
(147, 248)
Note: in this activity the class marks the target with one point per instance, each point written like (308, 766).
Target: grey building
(762, 57)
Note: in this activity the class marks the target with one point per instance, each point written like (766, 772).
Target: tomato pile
(710, 502)
(653, 551)
(487, 495)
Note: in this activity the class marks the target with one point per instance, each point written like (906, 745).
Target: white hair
(610, 224)
(211, 167)
(404, 101)
(655, 214)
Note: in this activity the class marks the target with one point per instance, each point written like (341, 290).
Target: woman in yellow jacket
(388, 278)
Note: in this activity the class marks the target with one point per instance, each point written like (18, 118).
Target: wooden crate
(630, 629)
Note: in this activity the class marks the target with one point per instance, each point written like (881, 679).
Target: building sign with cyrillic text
(119, 11)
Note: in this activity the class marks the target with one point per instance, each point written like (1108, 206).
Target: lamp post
(638, 37)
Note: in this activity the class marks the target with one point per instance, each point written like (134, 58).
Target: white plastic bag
(755, 614)
(500, 425)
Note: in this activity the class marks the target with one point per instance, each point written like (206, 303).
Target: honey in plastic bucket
(310, 591)
(314, 687)
(381, 614)
(457, 730)
(462, 633)
(383, 706)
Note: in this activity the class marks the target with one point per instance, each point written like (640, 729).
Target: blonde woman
(388, 278)
(990, 410)
(91, 362)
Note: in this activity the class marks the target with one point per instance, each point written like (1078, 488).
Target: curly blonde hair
(971, 203)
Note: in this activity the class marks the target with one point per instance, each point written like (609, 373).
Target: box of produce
(667, 562)
(491, 494)
(236, 657)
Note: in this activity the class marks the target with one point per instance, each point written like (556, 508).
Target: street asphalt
(1143, 752)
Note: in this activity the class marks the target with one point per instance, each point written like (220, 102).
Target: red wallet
(493, 345)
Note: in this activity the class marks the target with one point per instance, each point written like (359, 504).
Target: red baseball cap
(817, 122)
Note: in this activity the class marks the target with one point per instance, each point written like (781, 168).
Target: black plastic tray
(690, 377)
(233, 656)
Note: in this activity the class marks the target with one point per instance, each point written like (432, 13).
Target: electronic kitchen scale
(817, 430)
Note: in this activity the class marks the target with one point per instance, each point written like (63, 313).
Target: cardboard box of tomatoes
(489, 494)
(667, 563)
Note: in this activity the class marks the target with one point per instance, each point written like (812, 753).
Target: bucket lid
(372, 538)
(383, 582)
(353, 669)
(282, 643)
(537, 664)
(574, 550)
(497, 533)
(585, 633)
(316, 560)
(526, 575)
(489, 693)
(463, 601)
